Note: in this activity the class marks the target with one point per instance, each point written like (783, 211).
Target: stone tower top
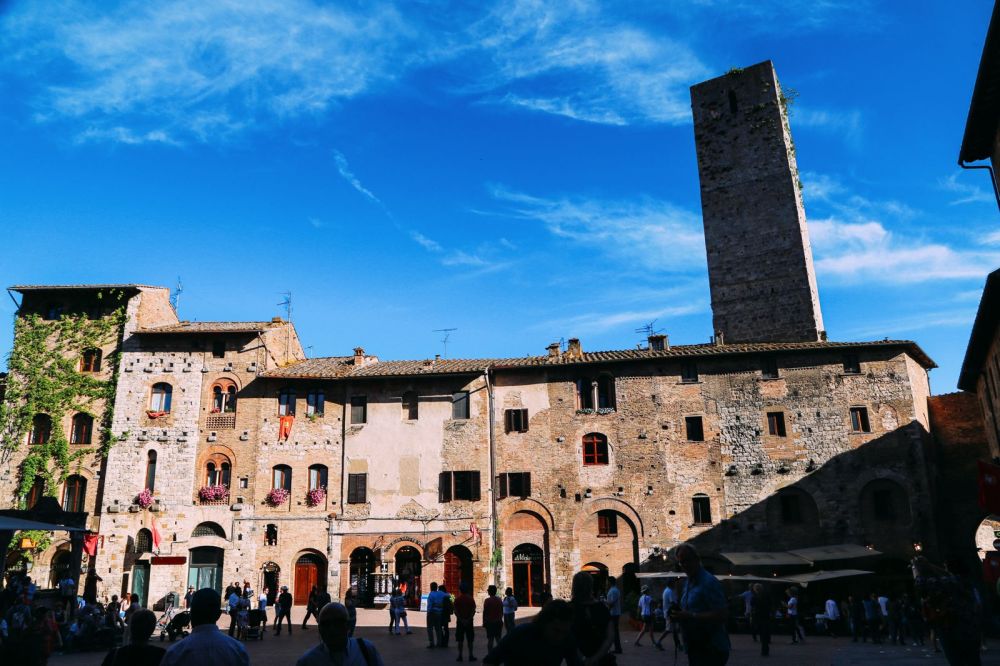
(760, 265)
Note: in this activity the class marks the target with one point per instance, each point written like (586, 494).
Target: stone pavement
(411, 650)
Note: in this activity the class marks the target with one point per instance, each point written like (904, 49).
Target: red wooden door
(452, 572)
(306, 575)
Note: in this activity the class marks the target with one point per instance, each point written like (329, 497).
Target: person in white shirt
(206, 645)
(646, 613)
(337, 647)
(832, 615)
(793, 616)
(669, 601)
(262, 603)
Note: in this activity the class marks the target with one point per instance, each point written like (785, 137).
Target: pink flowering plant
(277, 497)
(209, 493)
(145, 498)
(316, 496)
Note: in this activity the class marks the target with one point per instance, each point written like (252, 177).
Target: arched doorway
(205, 567)
(362, 568)
(599, 572)
(458, 569)
(60, 566)
(310, 569)
(408, 570)
(270, 579)
(529, 574)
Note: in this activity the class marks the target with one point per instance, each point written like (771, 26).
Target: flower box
(144, 499)
(277, 496)
(316, 496)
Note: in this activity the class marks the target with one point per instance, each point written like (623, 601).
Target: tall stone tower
(760, 265)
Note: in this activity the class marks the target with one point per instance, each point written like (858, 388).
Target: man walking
(232, 603)
(492, 617)
(614, 602)
(832, 616)
(465, 611)
(703, 611)
(284, 610)
(670, 600)
(435, 606)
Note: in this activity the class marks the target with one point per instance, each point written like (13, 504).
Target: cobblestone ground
(407, 650)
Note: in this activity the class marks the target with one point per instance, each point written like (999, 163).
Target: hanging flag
(477, 536)
(90, 540)
(155, 532)
(989, 486)
(285, 426)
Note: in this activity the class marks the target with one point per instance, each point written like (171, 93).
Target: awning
(758, 559)
(815, 576)
(843, 551)
(749, 578)
(661, 574)
(8, 523)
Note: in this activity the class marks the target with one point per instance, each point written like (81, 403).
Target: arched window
(35, 493)
(143, 542)
(317, 477)
(281, 477)
(410, 406)
(224, 397)
(315, 402)
(218, 470)
(286, 402)
(208, 529)
(701, 509)
(151, 471)
(41, 429)
(82, 430)
(595, 449)
(74, 493)
(596, 392)
(159, 398)
(90, 360)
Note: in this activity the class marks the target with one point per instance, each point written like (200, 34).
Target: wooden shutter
(508, 420)
(527, 484)
(362, 489)
(524, 420)
(444, 487)
(502, 486)
(476, 493)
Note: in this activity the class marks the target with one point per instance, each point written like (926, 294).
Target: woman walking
(509, 608)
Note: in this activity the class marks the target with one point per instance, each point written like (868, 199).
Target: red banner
(285, 426)
(989, 487)
(178, 559)
(90, 543)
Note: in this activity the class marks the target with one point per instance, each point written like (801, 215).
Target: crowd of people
(943, 611)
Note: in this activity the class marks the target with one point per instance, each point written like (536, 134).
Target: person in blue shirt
(703, 611)
(435, 610)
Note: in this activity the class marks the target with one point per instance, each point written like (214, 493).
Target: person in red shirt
(492, 617)
(465, 611)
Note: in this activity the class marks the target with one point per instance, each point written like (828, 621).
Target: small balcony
(225, 421)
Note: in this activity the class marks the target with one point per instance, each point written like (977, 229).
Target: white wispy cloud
(198, 69)
(992, 238)
(604, 320)
(425, 242)
(344, 169)
(316, 223)
(848, 124)
(967, 191)
(954, 318)
(644, 233)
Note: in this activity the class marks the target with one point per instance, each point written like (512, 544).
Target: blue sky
(521, 171)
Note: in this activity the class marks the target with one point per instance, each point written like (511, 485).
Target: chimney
(437, 357)
(659, 342)
(553, 350)
(359, 356)
(277, 320)
(574, 350)
(719, 339)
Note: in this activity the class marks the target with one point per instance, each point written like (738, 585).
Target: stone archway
(607, 531)
(310, 570)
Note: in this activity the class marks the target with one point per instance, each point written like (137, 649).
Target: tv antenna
(648, 330)
(287, 304)
(176, 298)
(447, 335)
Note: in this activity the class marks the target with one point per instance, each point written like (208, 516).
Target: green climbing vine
(44, 378)
(40, 540)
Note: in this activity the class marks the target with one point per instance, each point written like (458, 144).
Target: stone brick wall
(760, 264)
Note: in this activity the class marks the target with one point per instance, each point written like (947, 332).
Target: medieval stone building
(354, 472)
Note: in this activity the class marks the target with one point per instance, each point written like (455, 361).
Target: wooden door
(452, 572)
(306, 575)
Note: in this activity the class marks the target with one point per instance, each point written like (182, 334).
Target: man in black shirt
(285, 610)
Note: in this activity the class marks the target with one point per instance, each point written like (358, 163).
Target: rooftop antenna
(648, 330)
(287, 304)
(175, 300)
(447, 334)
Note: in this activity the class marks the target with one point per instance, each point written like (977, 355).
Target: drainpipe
(493, 463)
(993, 178)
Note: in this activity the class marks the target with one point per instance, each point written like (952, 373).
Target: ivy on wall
(44, 378)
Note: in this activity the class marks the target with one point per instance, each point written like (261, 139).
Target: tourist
(669, 600)
(262, 605)
(645, 609)
(337, 646)
(43, 636)
(67, 593)
(232, 587)
(284, 610)
(953, 611)
(112, 614)
(131, 609)
(206, 645)
(614, 602)
(592, 630)
(792, 608)
(547, 641)
(435, 605)
(703, 611)
(832, 612)
(351, 604)
(856, 616)
(761, 615)
(312, 609)
(187, 597)
(914, 620)
(465, 612)
(139, 651)
(277, 611)
(873, 619)
(398, 605)
(447, 608)
(232, 603)
(509, 609)
(746, 598)
(492, 617)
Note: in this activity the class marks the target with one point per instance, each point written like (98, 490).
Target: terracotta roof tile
(57, 287)
(342, 367)
(213, 327)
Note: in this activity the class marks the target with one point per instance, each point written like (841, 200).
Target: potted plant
(316, 496)
(145, 498)
(213, 493)
(276, 497)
